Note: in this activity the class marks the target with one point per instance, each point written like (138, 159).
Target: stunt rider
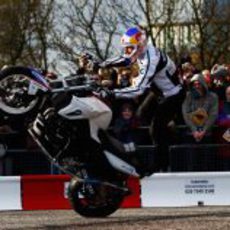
(157, 73)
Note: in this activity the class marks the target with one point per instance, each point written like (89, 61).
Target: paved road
(209, 218)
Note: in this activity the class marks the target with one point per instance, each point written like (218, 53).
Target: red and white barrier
(160, 190)
(47, 192)
(10, 189)
(44, 192)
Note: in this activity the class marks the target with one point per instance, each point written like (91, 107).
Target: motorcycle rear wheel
(14, 85)
(95, 206)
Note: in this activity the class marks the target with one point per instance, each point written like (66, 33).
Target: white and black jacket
(156, 71)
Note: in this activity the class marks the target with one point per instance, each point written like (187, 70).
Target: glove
(85, 59)
(107, 94)
(86, 62)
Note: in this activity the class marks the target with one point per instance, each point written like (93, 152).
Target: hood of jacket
(200, 78)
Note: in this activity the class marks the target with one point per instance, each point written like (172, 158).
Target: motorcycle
(69, 123)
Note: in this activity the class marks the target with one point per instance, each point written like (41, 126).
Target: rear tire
(88, 207)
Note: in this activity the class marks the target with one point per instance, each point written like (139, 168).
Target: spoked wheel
(91, 200)
(14, 87)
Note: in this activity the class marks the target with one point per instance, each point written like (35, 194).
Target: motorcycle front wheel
(14, 86)
(91, 200)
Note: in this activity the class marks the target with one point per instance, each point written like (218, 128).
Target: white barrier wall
(10, 190)
(186, 189)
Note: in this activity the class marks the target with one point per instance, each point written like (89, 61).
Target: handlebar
(72, 83)
(72, 88)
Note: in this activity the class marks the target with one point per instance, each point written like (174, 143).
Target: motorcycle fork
(86, 180)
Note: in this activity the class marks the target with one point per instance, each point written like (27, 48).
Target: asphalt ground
(210, 218)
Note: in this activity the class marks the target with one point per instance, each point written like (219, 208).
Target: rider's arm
(109, 63)
(143, 80)
(116, 62)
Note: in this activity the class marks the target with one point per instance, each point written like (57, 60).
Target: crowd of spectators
(205, 114)
(206, 103)
(207, 100)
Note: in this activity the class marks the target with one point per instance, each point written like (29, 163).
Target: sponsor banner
(10, 188)
(186, 189)
(44, 192)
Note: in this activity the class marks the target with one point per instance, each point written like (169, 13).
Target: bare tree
(43, 32)
(41, 25)
(147, 13)
(25, 27)
(85, 26)
(95, 25)
(212, 20)
(13, 33)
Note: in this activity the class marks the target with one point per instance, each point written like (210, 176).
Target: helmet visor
(129, 51)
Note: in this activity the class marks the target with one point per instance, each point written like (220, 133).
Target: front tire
(104, 202)
(14, 85)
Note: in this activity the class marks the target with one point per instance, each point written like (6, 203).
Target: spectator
(220, 77)
(187, 71)
(207, 77)
(49, 75)
(227, 78)
(222, 134)
(125, 125)
(223, 120)
(200, 108)
(107, 77)
(124, 78)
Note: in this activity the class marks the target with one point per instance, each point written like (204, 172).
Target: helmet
(133, 41)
